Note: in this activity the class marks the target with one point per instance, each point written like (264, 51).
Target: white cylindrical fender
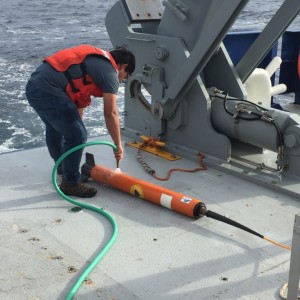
(278, 89)
(259, 86)
(273, 65)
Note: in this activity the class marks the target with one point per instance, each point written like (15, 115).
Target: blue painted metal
(288, 70)
(237, 43)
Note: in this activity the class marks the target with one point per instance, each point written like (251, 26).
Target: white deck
(158, 254)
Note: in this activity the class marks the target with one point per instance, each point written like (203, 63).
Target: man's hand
(119, 153)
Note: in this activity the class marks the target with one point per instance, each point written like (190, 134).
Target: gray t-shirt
(101, 71)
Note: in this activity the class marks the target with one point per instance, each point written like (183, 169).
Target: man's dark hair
(124, 56)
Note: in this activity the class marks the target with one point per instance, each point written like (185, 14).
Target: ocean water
(31, 30)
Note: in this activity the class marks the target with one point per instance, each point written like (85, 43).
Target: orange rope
(152, 142)
(203, 168)
(276, 243)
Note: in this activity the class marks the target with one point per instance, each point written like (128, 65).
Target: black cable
(281, 140)
(240, 99)
(216, 216)
(231, 114)
(259, 116)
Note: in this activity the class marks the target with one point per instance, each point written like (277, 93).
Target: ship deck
(158, 253)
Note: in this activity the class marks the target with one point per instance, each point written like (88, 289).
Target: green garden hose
(93, 208)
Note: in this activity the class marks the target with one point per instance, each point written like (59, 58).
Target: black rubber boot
(79, 190)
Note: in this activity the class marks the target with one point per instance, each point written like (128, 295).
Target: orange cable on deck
(155, 143)
(202, 168)
(276, 243)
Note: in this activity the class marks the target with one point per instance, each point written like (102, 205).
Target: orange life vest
(79, 90)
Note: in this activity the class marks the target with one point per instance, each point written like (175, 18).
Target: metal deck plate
(158, 254)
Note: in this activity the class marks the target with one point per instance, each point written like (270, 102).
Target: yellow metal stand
(152, 145)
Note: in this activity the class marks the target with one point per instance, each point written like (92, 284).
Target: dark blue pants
(64, 128)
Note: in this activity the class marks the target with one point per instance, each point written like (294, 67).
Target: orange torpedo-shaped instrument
(175, 201)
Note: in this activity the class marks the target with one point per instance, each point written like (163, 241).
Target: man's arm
(80, 111)
(112, 121)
